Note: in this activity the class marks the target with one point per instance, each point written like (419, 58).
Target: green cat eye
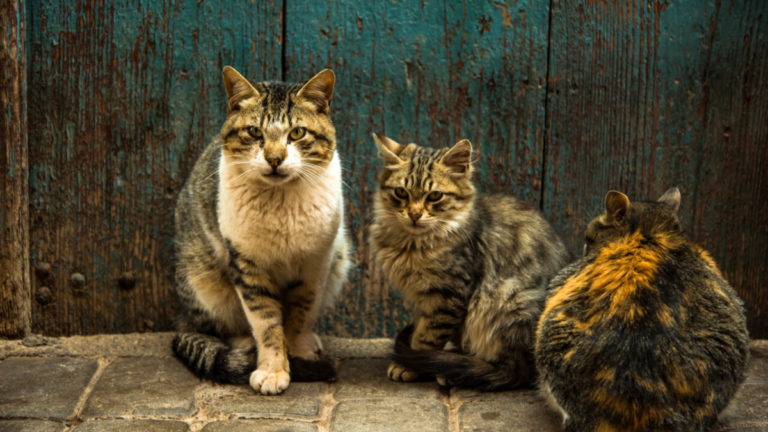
(434, 196)
(401, 192)
(297, 133)
(255, 132)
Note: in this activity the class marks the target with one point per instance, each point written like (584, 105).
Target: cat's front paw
(270, 382)
(396, 372)
(307, 346)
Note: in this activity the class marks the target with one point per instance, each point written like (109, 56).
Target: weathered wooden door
(107, 105)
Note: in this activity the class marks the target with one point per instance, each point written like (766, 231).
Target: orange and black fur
(643, 333)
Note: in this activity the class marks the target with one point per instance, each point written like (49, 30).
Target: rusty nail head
(77, 282)
(77, 279)
(126, 281)
(44, 295)
(43, 270)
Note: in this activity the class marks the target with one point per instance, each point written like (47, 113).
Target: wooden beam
(14, 239)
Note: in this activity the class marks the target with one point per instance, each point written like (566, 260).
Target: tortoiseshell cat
(260, 239)
(473, 269)
(643, 333)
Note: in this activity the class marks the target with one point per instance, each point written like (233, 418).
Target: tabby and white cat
(260, 241)
(643, 333)
(474, 269)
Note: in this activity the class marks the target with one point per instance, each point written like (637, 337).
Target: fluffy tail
(210, 358)
(460, 370)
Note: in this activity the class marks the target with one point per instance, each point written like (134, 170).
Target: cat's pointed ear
(319, 90)
(389, 150)
(459, 158)
(616, 206)
(238, 88)
(671, 198)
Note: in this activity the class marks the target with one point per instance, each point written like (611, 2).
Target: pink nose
(414, 216)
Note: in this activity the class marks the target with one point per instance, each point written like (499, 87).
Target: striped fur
(260, 241)
(643, 333)
(473, 268)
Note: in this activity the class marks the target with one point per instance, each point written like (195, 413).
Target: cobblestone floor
(132, 383)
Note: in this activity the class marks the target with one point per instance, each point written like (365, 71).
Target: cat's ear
(616, 206)
(459, 158)
(319, 90)
(671, 198)
(389, 150)
(238, 88)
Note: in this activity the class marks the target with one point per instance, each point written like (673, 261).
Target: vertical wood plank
(14, 241)
(432, 73)
(639, 95)
(731, 199)
(126, 94)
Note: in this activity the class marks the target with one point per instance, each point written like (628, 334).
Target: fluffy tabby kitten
(643, 333)
(473, 268)
(260, 239)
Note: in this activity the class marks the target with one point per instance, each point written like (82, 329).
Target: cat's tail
(210, 358)
(460, 370)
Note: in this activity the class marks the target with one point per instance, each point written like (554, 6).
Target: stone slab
(259, 425)
(144, 386)
(346, 348)
(749, 405)
(744, 428)
(43, 387)
(299, 400)
(394, 414)
(361, 378)
(522, 410)
(31, 426)
(131, 426)
(107, 345)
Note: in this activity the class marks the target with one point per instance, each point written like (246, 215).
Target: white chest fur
(281, 224)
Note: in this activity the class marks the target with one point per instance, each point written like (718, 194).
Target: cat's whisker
(218, 168)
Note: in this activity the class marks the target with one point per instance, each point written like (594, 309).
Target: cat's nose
(414, 216)
(274, 161)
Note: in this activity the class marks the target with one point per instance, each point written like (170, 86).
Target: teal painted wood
(14, 164)
(643, 96)
(624, 105)
(432, 73)
(634, 95)
(124, 97)
(731, 193)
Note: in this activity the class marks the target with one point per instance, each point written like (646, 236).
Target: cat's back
(196, 204)
(660, 284)
(517, 234)
(647, 332)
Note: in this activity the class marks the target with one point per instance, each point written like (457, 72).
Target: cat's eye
(401, 192)
(297, 133)
(434, 196)
(255, 132)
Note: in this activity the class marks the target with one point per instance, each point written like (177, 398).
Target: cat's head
(425, 190)
(621, 218)
(278, 132)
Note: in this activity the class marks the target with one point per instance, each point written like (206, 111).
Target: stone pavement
(133, 383)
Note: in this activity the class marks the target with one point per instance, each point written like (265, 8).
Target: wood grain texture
(564, 104)
(14, 240)
(431, 73)
(731, 192)
(125, 96)
(642, 97)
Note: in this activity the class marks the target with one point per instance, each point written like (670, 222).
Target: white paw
(307, 346)
(270, 382)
